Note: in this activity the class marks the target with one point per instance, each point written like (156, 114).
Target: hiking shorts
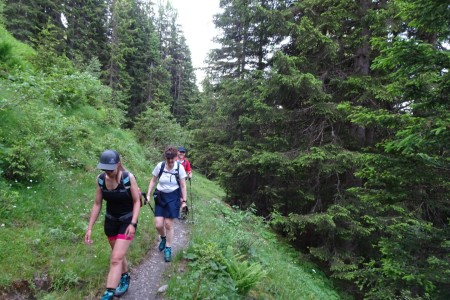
(115, 229)
(169, 205)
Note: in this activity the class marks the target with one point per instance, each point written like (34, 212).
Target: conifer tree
(25, 19)
(134, 55)
(281, 140)
(177, 61)
(86, 30)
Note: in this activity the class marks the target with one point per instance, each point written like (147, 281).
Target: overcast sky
(195, 17)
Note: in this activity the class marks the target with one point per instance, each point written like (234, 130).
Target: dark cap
(109, 160)
(181, 149)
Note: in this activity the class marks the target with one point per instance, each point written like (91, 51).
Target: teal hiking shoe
(108, 295)
(168, 254)
(162, 244)
(123, 285)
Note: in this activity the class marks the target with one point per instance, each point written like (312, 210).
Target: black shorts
(115, 229)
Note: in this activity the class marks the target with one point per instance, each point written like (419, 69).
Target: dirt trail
(147, 278)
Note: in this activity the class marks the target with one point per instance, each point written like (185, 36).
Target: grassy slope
(53, 151)
(47, 221)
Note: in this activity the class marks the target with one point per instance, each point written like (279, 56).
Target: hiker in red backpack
(169, 192)
(123, 201)
(181, 157)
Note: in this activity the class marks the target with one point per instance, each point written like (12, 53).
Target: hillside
(54, 126)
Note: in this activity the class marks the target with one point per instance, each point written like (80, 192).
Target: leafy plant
(244, 274)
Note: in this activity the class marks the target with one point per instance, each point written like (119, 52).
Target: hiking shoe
(168, 254)
(123, 285)
(108, 295)
(162, 244)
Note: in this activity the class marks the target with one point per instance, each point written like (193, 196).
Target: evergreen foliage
(137, 61)
(25, 19)
(86, 30)
(340, 137)
(176, 59)
(156, 128)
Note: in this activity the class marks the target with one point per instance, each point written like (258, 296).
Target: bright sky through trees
(195, 17)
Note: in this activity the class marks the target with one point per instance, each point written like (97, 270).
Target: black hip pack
(122, 219)
(157, 197)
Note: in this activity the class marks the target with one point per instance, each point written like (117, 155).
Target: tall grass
(233, 254)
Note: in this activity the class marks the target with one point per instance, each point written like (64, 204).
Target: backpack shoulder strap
(163, 164)
(125, 179)
(101, 181)
(177, 176)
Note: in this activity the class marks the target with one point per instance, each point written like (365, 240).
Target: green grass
(222, 236)
(232, 254)
(42, 236)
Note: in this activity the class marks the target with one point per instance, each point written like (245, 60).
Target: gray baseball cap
(109, 160)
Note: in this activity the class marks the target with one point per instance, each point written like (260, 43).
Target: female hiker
(120, 190)
(170, 190)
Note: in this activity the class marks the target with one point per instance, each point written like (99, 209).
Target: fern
(244, 274)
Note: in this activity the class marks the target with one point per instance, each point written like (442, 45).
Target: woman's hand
(87, 237)
(131, 230)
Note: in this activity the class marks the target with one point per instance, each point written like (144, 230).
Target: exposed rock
(163, 289)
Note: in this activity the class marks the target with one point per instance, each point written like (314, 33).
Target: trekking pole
(146, 201)
(192, 202)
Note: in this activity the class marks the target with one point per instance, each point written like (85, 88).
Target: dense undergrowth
(54, 125)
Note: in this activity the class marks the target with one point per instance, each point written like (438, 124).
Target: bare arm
(151, 185)
(183, 190)
(94, 213)
(136, 195)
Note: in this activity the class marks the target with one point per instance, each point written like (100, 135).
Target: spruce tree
(25, 19)
(86, 30)
(310, 138)
(177, 61)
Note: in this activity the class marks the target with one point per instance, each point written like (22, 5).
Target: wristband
(134, 224)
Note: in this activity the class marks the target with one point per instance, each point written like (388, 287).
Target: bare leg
(124, 265)
(168, 225)
(159, 224)
(117, 262)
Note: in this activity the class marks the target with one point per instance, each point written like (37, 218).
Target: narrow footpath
(147, 278)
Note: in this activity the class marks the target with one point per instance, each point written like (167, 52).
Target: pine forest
(328, 118)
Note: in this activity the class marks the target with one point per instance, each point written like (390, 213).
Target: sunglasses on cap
(169, 155)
